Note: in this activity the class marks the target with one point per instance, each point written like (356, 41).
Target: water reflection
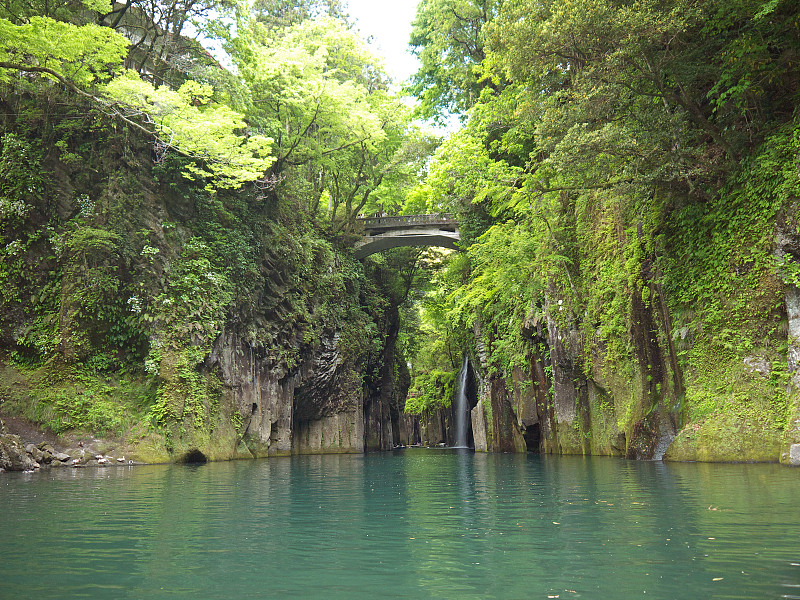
(417, 523)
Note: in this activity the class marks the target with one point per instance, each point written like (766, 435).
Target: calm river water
(408, 524)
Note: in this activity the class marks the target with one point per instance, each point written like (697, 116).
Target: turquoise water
(410, 524)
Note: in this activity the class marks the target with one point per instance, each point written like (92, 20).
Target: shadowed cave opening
(533, 437)
(194, 457)
(472, 402)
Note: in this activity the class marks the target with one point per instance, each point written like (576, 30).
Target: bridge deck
(383, 233)
(406, 221)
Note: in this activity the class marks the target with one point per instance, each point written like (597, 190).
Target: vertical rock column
(315, 408)
(570, 394)
(787, 247)
(495, 427)
(261, 395)
(792, 436)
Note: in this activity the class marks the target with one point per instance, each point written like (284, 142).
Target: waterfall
(461, 409)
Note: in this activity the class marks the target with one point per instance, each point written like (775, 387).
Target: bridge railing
(405, 220)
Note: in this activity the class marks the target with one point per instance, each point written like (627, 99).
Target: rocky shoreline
(18, 453)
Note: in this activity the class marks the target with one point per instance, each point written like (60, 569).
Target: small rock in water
(122, 460)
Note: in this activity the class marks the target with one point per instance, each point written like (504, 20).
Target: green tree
(20, 12)
(81, 57)
(163, 35)
(667, 94)
(279, 14)
(448, 38)
(320, 94)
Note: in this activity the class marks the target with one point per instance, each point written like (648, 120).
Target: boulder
(35, 453)
(759, 365)
(61, 456)
(13, 456)
(794, 455)
(46, 447)
(78, 453)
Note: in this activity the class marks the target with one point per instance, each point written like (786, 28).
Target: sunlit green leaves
(82, 55)
(309, 76)
(448, 38)
(343, 143)
(186, 120)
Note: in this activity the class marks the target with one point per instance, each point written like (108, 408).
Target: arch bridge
(382, 233)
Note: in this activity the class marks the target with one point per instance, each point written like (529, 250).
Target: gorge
(275, 325)
(602, 260)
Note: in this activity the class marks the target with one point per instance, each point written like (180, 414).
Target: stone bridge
(382, 233)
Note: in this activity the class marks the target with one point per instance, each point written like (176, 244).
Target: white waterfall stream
(461, 408)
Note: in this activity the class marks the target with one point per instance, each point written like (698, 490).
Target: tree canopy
(448, 37)
(602, 141)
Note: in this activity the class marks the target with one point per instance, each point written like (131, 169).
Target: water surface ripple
(410, 524)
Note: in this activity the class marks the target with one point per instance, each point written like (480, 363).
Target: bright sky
(389, 22)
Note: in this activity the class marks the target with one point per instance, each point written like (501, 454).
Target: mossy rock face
(243, 451)
(150, 449)
(606, 437)
(254, 447)
(726, 438)
(791, 437)
(570, 439)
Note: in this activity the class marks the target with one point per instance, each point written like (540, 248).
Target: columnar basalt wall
(315, 408)
(552, 405)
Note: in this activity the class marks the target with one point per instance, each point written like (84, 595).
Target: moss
(62, 398)
(605, 435)
(256, 447)
(68, 399)
(730, 436)
(152, 448)
(570, 438)
(792, 431)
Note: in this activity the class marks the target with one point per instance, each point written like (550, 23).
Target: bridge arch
(383, 233)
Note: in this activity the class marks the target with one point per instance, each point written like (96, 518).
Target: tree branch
(111, 106)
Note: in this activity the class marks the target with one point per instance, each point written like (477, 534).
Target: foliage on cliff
(624, 184)
(153, 203)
